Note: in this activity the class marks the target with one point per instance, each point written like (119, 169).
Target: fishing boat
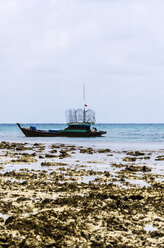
(79, 124)
(73, 130)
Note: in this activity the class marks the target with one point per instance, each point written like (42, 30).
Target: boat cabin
(78, 126)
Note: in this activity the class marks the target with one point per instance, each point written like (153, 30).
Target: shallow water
(119, 136)
(69, 192)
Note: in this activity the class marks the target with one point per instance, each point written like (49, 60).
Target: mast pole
(84, 102)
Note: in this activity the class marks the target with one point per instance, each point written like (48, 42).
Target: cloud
(48, 49)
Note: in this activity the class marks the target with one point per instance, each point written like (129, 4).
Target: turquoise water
(141, 134)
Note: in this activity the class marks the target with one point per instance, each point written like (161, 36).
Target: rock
(136, 153)
(63, 154)
(55, 146)
(20, 148)
(146, 169)
(50, 156)
(137, 168)
(157, 234)
(53, 151)
(52, 164)
(37, 144)
(146, 157)
(88, 150)
(24, 160)
(117, 165)
(104, 150)
(79, 205)
(160, 158)
(9, 220)
(1, 219)
(129, 159)
(136, 197)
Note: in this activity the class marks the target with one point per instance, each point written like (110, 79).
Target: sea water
(118, 135)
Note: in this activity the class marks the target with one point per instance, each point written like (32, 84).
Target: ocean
(118, 135)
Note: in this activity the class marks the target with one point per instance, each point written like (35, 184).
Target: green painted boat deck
(74, 131)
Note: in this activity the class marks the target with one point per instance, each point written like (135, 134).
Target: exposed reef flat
(66, 196)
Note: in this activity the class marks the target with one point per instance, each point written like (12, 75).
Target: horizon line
(14, 123)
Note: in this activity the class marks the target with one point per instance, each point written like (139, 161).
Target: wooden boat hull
(41, 133)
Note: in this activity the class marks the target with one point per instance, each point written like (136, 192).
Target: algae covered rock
(87, 150)
(159, 158)
(79, 203)
(63, 154)
(24, 160)
(103, 150)
(129, 159)
(136, 153)
(52, 164)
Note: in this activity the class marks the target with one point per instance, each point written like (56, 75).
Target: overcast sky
(49, 48)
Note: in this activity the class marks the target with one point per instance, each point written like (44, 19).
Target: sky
(50, 48)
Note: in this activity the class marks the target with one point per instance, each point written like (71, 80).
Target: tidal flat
(58, 195)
